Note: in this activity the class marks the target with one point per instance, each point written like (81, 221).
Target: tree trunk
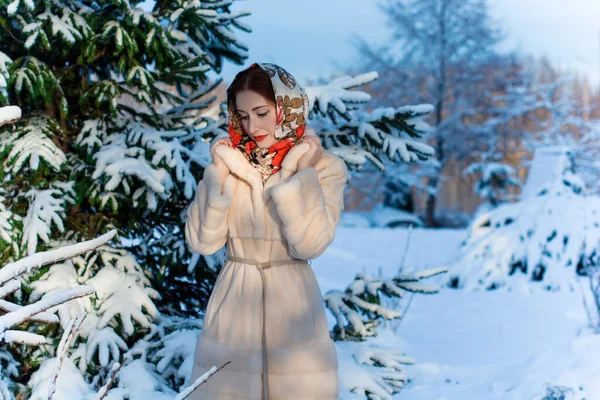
(434, 182)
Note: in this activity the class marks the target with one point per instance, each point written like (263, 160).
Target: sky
(312, 38)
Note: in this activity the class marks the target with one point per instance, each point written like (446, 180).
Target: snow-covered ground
(471, 345)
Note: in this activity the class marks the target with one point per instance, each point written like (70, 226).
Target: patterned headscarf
(291, 111)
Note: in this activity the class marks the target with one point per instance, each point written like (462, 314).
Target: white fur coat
(292, 215)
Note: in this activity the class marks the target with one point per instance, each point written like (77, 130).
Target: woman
(274, 196)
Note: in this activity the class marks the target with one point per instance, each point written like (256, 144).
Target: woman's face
(258, 117)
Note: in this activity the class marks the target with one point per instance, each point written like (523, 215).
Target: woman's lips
(259, 138)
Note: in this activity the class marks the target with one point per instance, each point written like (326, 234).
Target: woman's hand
(217, 160)
(309, 159)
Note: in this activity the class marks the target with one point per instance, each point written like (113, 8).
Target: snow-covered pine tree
(28, 317)
(111, 137)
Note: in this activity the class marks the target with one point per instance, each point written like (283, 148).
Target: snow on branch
(9, 114)
(103, 392)
(24, 313)
(201, 379)
(46, 208)
(41, 317)
(10, 287)
(30, 145)
(362, 297)
(370, 371)
(30, 339)
(366, 369)
(17, 314)
(336, 94)
(37, 260)
(158, 160)
(360, 136)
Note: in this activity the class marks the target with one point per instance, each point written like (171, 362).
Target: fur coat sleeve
(309, 204)
(206, 228)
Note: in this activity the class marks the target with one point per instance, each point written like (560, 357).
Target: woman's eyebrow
(255, 108)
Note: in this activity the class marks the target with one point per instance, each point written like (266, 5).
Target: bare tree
(441, 52)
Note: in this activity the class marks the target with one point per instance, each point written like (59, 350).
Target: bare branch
(188, 391)
(67, 338)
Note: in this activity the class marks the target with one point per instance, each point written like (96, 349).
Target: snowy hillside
(471, 345)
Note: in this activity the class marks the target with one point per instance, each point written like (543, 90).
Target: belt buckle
(265, 265)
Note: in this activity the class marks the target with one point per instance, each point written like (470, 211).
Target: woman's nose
(252, 126)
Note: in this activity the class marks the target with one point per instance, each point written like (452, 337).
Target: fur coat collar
(261, 193)
(239, 166)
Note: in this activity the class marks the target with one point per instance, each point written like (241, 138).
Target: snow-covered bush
(124, 297)
(157, 367)
(35, 314)
(547, 237)
(366, 369)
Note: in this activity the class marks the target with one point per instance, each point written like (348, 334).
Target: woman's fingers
(222, 141)
(314, 143)
(311, 139)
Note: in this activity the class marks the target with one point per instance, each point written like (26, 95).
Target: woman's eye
(243, 118)
(262, 115)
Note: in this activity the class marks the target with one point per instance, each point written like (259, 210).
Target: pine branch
(41, 317)
(363, 298)
(25, 265)
(17, 317)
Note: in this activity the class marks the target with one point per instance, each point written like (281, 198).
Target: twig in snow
(190, 389)
(67, 338)
(399, 321)
(595, 289)
(408, 237)
(396, 301)
(115, 370)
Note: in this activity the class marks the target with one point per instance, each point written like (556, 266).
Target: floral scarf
(291, 110)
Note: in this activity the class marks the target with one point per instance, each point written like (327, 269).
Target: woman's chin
(265, 144)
